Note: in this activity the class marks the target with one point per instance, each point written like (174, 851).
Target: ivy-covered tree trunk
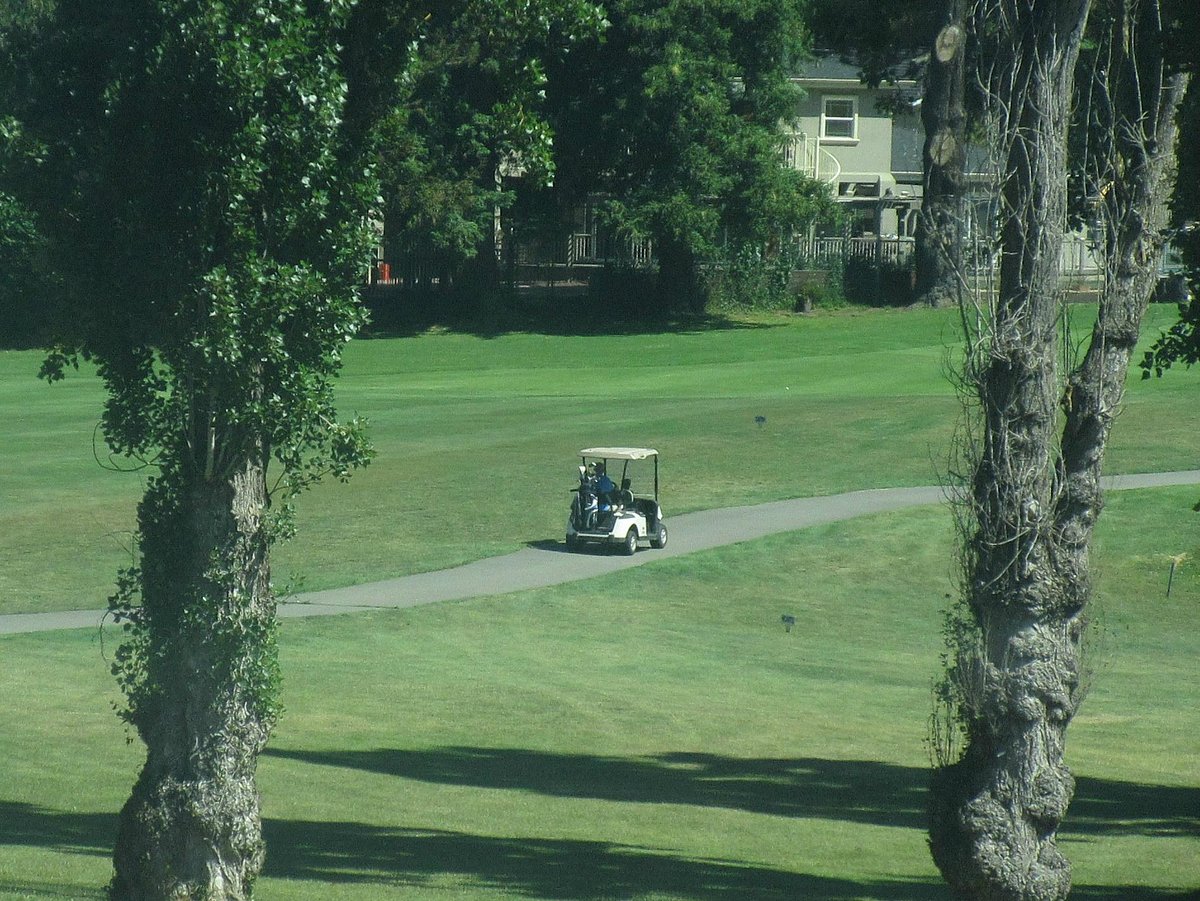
(192, 828)
(943, 208)
(1016, 679)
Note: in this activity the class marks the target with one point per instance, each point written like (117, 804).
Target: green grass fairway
(652, 735)
(476, 437)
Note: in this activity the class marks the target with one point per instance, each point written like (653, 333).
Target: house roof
(826, 66)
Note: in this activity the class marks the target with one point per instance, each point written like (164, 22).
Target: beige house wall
(858, 168)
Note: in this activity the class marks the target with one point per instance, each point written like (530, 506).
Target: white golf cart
(605, 510)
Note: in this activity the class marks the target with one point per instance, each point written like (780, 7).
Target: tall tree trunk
(995, 812)
(678, 283)
(1035, 500)
(943, 206)
(1139, 104)
(204, 702)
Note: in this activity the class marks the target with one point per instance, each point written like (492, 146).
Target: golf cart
(605, 510)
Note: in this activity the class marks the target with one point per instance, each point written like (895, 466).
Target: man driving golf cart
(603, 513)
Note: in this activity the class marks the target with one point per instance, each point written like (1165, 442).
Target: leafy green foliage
(674, 118)
(748, 279)
(669, 111)
(454, 92)
(21, 264)
(194, 172)
(883, 37)
(23, 12)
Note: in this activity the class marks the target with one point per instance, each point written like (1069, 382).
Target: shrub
(889, 285)
(748, 280)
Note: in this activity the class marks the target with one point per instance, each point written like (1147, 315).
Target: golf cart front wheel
(659, 541)
(631, 539)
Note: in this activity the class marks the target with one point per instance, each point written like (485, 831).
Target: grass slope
(477, 434)
(655, 735)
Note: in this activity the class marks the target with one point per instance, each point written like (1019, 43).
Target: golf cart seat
(625, 495)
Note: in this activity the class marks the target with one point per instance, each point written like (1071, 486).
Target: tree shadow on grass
(349, 852)
(1110, 807)
(546, 868)
(858, 791)
(68, 832)
(1130, 893)
(41, 827)
(395, 314)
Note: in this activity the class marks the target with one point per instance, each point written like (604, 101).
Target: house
(864, 142)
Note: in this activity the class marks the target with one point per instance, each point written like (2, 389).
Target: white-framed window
(839, 119)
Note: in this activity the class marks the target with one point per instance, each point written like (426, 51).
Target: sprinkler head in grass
(788, 622)
(760, 420)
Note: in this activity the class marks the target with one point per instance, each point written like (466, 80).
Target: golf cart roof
(619, 453)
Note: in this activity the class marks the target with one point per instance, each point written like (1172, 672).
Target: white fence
(819, 252)
(593, 250)
(1079, 257)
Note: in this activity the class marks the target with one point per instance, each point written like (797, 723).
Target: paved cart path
(549, 563)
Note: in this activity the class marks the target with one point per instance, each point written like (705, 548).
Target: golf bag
(586, 505)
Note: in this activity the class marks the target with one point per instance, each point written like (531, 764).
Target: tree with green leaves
(673, 118)
(22, 271)
(883, 38)
(187, 164)
(456, 94)
(1038, 425)
(204, 174)
(23, 12)
(22, 266)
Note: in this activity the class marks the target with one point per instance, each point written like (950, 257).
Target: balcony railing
(585, 249)
(819, 252)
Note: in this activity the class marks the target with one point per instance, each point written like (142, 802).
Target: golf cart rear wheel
(631, 538)
(659, 541)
